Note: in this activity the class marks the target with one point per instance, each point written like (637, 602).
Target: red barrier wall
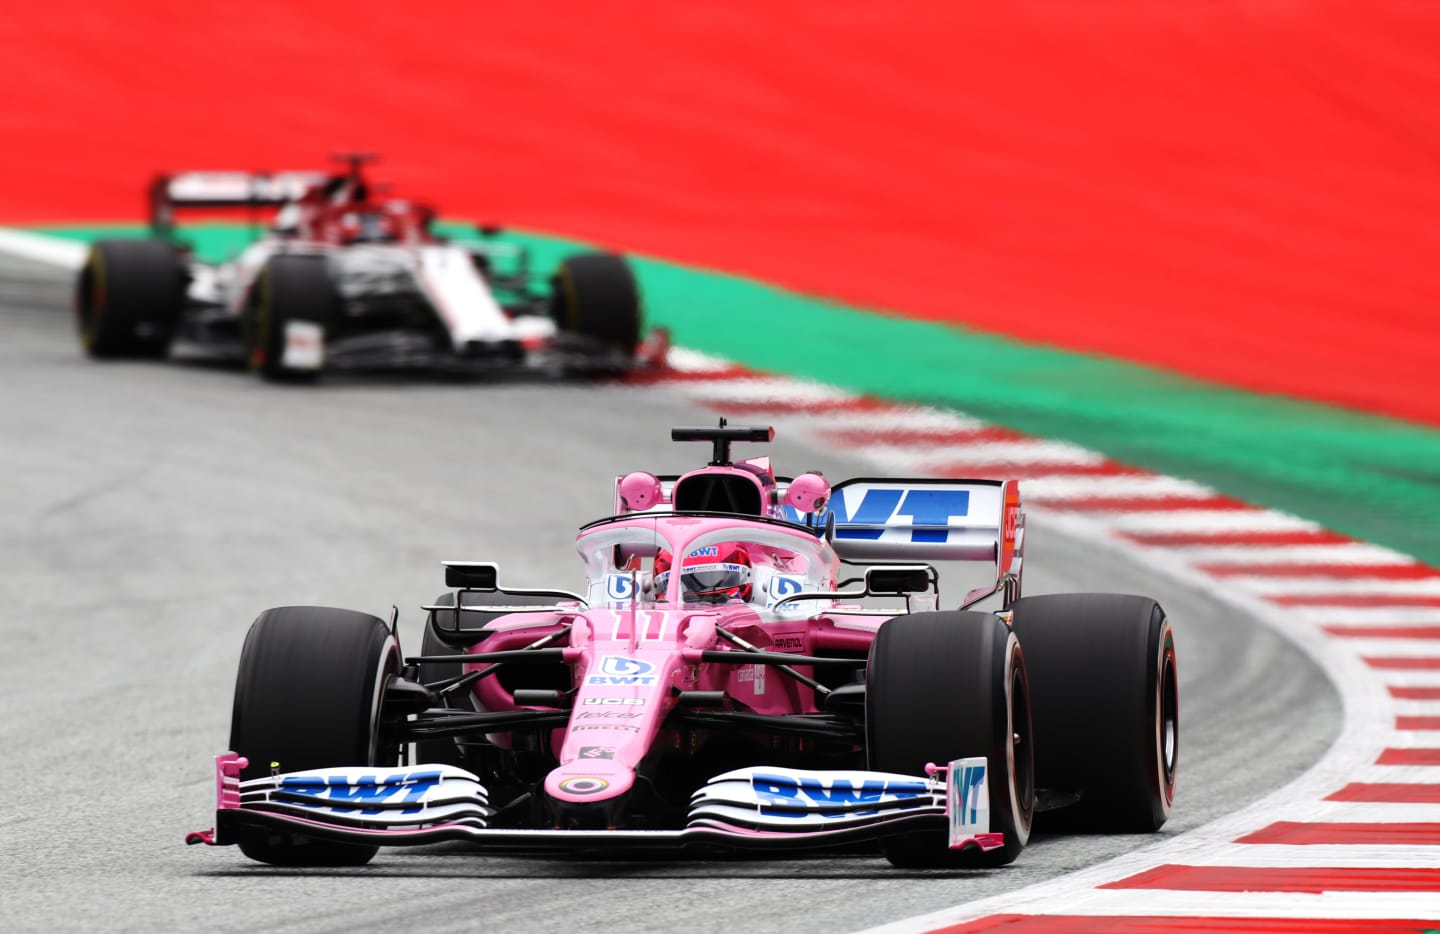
(1245, 192)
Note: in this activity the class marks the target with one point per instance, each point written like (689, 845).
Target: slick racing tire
(1106, 702)
(445, 750)
(129, 298)
(290, 289)
(596, 296)
(308, 696)
(943, 686)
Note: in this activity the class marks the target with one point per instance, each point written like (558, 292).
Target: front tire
(596, 296)
(129, 298)
(290, 289)
(942, 686)
(308, 696)
(1107, 699)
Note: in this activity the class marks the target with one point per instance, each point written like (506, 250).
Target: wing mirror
(640, 491)
(472, 575)
(898, 580)
(808, 492)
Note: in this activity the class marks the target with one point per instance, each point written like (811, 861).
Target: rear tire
(942, 686)
(290, 288)
(595, 295)
(1106, 701)
(129, 298)
(308, 696)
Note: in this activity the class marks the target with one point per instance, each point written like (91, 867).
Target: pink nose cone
(583, 783)
(807, 492)
(640, 491)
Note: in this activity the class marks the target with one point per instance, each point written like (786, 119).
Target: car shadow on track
(351, 377)
(463, 862)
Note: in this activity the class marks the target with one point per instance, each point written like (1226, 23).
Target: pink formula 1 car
(755, 662)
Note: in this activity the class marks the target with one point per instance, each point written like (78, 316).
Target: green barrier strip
(1370, 477)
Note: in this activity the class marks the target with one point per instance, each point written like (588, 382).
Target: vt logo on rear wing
(927, 520)
(925, 513)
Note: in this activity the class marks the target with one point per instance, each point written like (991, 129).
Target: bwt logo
(340, 791)
(844, 796)
(926, 511)
(621, 669)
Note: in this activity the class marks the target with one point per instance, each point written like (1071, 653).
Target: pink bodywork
(632, 654)
(633, 651)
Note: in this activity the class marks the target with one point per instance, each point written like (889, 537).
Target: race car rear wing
(186, 190)
(912, 520)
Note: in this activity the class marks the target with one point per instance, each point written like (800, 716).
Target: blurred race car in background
(717, 685)
(344, 278)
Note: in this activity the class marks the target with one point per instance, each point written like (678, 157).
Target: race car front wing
(755, 808)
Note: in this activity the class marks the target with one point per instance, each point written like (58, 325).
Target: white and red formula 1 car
(342, 278)
(754, 662)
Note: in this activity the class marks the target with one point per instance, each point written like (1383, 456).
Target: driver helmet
(367, 227)
(710, 574)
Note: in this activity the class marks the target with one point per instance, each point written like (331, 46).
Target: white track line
(1423, 774)
(1207, 521)
(1394, 648)
(1057, 490)
(693, 361)
(1419, 678)
(1364, 615)
(1347, 855)
(940, 458)
(1335, 587)
(879, 423)
(760, 390)
(1162, 903)
(1254, 555)
(53, 251)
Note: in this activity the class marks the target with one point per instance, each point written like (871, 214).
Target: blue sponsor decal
(624, 665)
(782, 794)
(926, 511)
(709, 551)
(623, 670)
(619, 586)
(785, 585)
(340, 791)
(971, 779)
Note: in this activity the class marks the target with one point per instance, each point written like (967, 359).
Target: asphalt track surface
(149, 512)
